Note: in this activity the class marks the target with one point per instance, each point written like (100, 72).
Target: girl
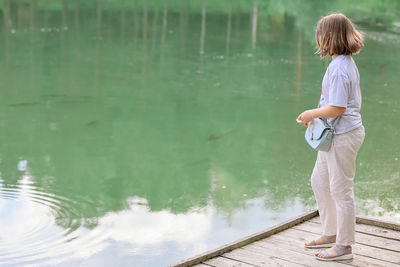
(334, 170)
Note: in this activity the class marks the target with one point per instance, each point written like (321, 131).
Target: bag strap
(335, 121)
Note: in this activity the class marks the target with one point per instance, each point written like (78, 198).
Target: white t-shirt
(341, 88)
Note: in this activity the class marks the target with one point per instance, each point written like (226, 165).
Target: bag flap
(317, 128)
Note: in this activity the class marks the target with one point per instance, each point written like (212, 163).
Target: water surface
(142, 133)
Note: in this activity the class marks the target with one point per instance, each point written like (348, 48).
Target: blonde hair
(336, 34)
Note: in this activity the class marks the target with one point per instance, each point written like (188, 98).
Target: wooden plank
(376, 222)
(258, 258)
(378, 231)
(295, 237)
(358, 260)
(372, 239)
(201, 265)
(378, 253)
(361, 238)
(287, 254)
(225, 262)
(369, 221)
(247, 240)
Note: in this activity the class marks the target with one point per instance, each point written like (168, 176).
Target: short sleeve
(338, 91)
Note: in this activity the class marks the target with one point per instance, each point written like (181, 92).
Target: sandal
(343, 254)
(328, 242)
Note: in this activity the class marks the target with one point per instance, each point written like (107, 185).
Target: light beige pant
(332, 181)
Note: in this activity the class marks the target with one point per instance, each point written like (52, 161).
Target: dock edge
(247, 240)
(271, 231)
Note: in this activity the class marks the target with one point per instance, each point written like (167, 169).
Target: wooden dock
(377, 244)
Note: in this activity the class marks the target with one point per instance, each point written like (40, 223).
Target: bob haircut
(336, 34)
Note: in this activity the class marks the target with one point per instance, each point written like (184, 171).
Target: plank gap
(388, 249)
(248, 263)
(361, 249)
(377, 235)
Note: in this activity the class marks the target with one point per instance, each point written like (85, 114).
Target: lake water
(140, 133)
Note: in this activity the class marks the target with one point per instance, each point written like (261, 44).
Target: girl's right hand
(301, 122)
(305, 118)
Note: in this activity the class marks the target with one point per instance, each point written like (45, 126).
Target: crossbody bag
(319, 134)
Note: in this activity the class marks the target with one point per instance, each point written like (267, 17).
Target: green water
(140, 133)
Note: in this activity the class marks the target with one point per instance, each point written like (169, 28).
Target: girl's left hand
(306, 117)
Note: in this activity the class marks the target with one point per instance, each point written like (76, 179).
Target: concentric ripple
(39, 228)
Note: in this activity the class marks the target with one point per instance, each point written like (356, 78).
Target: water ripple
(42, 228)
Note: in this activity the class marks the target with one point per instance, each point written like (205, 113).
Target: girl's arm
(325, 112)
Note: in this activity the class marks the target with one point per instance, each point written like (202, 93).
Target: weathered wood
(369, 221)
(257, 258)
(361, 238)
(247, 240)
(201, 265)
(316, 219)
(284, 253)
(358, 260)
(377, 244)
(294, 239)
(380, 223)
(226, 262)
(378, 231)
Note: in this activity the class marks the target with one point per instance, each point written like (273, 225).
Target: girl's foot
(335, 253)
(325, 241)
